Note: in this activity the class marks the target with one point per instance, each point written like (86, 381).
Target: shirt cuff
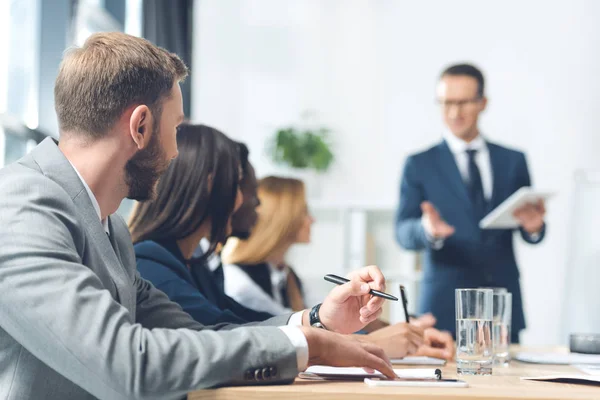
(534, 236)
(300, 344)
(296, 319)
(435, 244)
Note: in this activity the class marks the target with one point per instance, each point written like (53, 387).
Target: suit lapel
(496, 166)
(108, 252)
(449, 169)
(56, 166)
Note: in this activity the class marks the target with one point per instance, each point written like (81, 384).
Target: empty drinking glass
(501, 327)
(474, 347)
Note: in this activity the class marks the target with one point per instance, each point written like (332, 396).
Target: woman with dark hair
(195, 199)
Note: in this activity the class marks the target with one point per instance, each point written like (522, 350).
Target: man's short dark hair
(111, 72)
(467, 70)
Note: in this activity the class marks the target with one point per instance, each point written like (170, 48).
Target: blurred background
(365, 72)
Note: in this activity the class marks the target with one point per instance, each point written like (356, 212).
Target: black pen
(404, 303)
(340, 281)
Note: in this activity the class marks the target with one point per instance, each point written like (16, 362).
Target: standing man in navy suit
(445, 192)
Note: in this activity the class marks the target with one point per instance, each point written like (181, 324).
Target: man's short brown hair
(112, 71)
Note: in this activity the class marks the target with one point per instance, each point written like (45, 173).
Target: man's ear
(484, 102)
(140, 126)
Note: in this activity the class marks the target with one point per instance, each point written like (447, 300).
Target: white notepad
(502, 216)
(418, 360)
(589, 369)
(557, 358)
(566, 378)
(352, 372)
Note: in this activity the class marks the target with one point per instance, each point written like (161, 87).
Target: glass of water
(474, 347)
(501, 327)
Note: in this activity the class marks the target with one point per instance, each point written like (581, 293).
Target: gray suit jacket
(76, 319)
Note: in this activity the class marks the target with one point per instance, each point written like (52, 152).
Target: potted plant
(305, 152)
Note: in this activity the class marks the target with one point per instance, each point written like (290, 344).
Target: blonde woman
(256, 272)
(258, 276)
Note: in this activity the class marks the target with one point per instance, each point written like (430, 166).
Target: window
(19, 75)
(19, 39)
(92, 17)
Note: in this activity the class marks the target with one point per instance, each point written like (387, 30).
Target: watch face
(318, 325)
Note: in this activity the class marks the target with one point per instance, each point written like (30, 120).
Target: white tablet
(502, 216)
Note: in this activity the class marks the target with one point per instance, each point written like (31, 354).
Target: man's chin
(148, 195)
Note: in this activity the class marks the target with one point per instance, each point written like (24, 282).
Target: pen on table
(404, 303)
(340, 281)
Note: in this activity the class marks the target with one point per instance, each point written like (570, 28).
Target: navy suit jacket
(471, 257)
(194, 289)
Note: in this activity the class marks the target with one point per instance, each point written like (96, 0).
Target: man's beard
(145, 168)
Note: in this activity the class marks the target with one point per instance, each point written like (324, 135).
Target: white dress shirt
(93, 200)
(459, 148)
(214, 260)
(240, 287)
(292, 331)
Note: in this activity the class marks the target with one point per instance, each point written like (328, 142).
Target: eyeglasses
(458, 103)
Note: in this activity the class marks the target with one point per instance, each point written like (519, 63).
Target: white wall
(369, 68)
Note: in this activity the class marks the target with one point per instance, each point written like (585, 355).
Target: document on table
(557, 358)
(418, 360)
(325, 372)
(566, 378)
(589, 369)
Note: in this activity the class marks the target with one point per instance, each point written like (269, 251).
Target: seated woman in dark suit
(256, 273)
(195, 199)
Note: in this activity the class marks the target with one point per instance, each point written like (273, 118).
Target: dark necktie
(476, 187)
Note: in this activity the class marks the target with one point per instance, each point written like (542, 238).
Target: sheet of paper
(566, 378)
(350, 372)
(418, 360)
(557, 358)
(589, 369)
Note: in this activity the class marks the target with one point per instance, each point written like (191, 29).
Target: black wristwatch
(314, 317)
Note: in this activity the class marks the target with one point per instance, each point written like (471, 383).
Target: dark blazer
(261, 274)
(472, 257)
(194, 289)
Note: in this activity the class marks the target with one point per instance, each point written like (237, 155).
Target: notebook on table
(321, 372)
(418, 360)
(566, 378)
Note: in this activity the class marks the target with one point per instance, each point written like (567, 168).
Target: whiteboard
(581, 312)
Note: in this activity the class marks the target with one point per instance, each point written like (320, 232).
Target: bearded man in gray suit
(76, 319)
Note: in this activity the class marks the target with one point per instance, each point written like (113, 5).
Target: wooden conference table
(503, 384)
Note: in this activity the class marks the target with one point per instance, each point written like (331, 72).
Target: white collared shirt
(240, 287)
(93, 200)
(278, 281)
(291, 329)
(459, 148)
(214, 260)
